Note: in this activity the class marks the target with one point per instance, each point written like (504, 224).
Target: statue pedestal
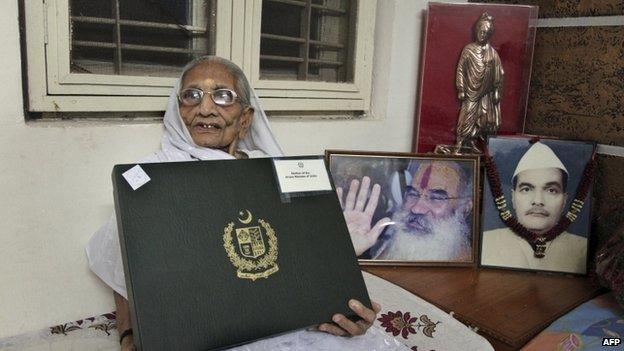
(441, 149)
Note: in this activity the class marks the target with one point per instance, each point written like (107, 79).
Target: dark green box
(182, 232)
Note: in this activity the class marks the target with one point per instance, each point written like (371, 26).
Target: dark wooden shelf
(508, 307)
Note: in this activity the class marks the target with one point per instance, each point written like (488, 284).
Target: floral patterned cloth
(584, 328)
(94, 333)
(405, 323)
(417, 323)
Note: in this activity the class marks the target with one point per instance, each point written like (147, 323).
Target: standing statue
(479, 82)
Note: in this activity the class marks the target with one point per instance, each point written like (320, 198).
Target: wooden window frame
(52, 87)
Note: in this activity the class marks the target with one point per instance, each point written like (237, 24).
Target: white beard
(448, 241)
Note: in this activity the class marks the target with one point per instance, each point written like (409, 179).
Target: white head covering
(177, 143)
(538, 156)
(103, 252)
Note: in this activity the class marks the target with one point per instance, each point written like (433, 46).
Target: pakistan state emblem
(251, 249)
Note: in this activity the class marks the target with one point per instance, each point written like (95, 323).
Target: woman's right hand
(127, 344)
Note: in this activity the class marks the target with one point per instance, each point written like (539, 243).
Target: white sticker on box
(302, 175)
(136, 177)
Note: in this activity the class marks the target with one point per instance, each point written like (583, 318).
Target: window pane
(140, 37)
(312, 40)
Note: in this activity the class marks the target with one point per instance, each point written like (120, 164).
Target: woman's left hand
(345, 327)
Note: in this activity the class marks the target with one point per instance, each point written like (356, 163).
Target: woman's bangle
(124, 334)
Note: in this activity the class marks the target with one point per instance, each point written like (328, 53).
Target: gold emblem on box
(251, 257)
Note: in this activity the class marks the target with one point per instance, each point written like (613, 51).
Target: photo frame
(536, 204)
(417, 210)
(449, 28)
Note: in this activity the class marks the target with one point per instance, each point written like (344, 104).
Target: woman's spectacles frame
(221, 97)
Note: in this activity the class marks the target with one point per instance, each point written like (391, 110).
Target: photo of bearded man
(418, 209)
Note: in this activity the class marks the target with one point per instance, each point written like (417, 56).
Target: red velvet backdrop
(449, 28)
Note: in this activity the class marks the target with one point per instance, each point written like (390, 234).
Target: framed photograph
(408, 209)
(470, 80)
(536, 210)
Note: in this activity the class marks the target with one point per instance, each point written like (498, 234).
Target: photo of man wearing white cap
(539, 193)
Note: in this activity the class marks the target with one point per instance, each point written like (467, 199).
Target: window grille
(139, 37)
(307, 40)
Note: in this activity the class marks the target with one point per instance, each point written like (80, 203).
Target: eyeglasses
(221, 97)
(436, 198)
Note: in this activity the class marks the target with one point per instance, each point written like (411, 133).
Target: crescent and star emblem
(245, 220)
(252, 248)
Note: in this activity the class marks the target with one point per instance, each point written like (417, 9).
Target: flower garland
(537, 241)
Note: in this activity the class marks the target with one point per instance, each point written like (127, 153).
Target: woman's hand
(123, 322)
(127, 344)
(345, 327)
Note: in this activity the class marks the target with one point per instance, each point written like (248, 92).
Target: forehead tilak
(427, 175)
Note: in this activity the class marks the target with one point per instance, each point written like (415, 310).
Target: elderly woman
(211, 114)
